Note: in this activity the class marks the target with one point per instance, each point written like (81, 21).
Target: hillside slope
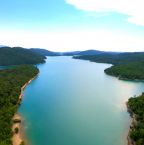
(129, 71)
(17, 56)
(45, 52)
(11, 81)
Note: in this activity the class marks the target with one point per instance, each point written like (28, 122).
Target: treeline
(18, 56)
(131, 71)
(136, 108)
(114, 58)
(11, 81)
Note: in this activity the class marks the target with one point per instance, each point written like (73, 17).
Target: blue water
(73, 102)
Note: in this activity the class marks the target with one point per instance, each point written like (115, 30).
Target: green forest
(11, 81)
(129, 71)
(18, 55)
(136, 107)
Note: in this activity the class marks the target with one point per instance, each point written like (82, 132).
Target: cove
(73, 102)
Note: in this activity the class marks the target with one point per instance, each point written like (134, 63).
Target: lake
(73, 102)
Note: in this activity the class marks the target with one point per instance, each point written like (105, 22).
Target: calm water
(72, 102)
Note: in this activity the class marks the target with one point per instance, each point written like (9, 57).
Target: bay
(73, 102)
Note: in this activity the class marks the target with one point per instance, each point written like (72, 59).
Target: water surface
(73, 102)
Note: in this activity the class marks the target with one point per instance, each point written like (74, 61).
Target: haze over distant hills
(96, 55)
(18, 55)
(86, 52)
(45, 52)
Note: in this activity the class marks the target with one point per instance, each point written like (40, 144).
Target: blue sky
(66, 25)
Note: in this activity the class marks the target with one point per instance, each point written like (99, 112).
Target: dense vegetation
(11, 81)
(136, 107)
(17, 56)
(130, 71)
(114, 58)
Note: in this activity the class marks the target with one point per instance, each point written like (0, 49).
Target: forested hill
(11, 81)
(18, 55)
(128, 71)
(114, 58)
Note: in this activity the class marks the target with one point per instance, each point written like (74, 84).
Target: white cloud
(132, 8)
(78, 40)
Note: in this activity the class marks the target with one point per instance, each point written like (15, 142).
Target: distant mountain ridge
(45, 52)
(19, 55)
(72, 53)
(90, 52)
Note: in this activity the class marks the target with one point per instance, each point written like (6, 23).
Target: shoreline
(133, 122)
(18, 137)
(123, 78)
